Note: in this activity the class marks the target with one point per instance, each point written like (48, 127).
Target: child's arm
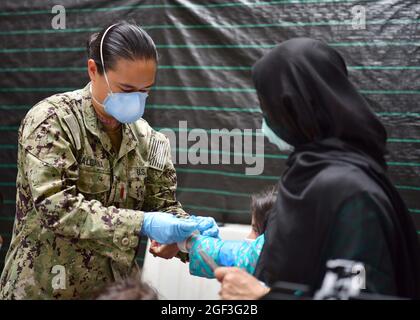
(243, 254)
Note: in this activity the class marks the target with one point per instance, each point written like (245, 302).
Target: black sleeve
(358, 234)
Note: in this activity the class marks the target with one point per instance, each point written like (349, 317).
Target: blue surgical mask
(125, 107)
(274, 139)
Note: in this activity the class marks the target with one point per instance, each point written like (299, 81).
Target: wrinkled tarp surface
(206, 52)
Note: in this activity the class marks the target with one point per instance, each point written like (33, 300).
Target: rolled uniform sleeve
(52, 171)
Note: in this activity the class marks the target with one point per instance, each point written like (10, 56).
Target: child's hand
(165, 251)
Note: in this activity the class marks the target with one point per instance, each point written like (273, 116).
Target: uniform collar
(129, 139)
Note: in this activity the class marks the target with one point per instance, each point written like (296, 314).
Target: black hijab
(308, 101)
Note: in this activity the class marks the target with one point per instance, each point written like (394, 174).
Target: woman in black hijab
(335, 200)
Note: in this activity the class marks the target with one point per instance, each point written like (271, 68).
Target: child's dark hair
(125, 40)
(131, 288)
(261, 204)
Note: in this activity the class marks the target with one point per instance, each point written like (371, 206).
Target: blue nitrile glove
(166, 228)
(207, 226)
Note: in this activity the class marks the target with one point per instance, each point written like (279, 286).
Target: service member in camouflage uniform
(82, 192)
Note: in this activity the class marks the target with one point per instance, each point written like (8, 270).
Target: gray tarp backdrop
(206, 51)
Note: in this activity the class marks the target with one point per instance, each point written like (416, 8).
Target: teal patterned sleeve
(243, 254)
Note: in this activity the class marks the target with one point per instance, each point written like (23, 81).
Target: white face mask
(274, 139)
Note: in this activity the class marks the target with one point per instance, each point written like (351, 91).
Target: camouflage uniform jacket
(79, 205)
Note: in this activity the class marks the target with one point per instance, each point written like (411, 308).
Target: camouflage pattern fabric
(79, 204)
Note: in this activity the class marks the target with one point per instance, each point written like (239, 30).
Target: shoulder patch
(158, 153)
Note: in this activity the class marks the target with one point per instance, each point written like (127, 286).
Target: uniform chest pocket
(136, 182)
(94, 183)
